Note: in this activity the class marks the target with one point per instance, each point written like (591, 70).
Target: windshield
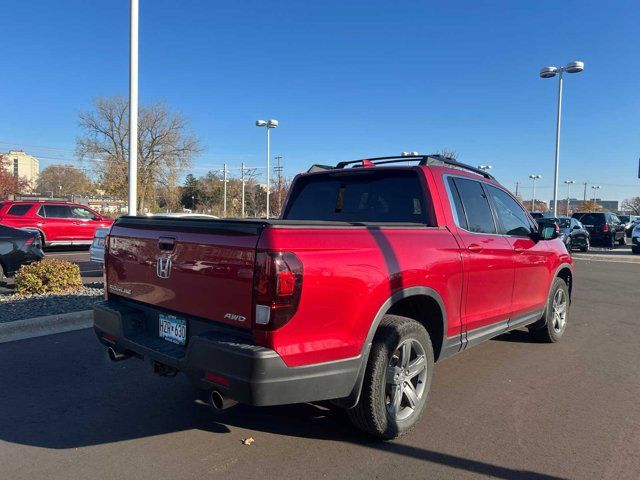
(624, 218)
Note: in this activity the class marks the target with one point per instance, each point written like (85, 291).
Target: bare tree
(448, 152)
(632, 205)
(165, 146)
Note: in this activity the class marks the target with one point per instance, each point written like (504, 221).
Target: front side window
(82, 213)
(476, 206)
(19, 210)
(511, 215)
(57, 211)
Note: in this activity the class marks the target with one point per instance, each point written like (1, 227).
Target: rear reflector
(108, 337)
(212, 377)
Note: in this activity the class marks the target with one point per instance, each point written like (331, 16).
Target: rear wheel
(623, 240)
(397, 379)
(554, 321)
(611, 242)
(2, 279)
(635, 249)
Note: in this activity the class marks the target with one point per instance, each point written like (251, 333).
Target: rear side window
(20, 209)
(512, 217)
(57, 211)
(372, 196)
(476, 206)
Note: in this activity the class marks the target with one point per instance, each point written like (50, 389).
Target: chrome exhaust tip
(115, 356)
(219, 401)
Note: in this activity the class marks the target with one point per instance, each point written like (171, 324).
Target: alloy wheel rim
(559, 310)
(406, 378)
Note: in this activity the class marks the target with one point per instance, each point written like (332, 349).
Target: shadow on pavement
(68, 395)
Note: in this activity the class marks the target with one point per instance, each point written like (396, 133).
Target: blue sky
(345, 79)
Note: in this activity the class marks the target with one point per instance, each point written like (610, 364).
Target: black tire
(2, 278)
(586, 246)
(622, 241)
(550, 328)
(635, 249)
(374, 413)
(611, 242)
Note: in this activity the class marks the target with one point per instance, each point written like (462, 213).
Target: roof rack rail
(435, 159)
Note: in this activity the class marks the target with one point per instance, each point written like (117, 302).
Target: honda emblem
(163, 268)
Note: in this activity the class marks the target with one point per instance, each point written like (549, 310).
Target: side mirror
(549, 233)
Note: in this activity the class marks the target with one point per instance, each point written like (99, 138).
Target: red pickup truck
(371, 274)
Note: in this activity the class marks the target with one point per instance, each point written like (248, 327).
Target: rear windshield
(596, 219)
(372, 196)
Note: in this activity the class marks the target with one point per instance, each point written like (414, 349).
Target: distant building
(21, 164)
(574, 204)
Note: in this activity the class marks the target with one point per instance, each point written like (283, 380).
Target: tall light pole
(133, 108)
(224, 189)
(533, 192)
(595, 189)
(568, 182)
(242, 180)
(550, 72)
(270, 124)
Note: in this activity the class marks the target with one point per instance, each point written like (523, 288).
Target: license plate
(173, 329)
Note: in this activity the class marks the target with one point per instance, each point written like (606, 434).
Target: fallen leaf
(248, 441)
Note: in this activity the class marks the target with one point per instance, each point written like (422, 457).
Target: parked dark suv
(605, 227)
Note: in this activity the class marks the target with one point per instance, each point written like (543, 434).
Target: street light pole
(557, 159)
(268, 168)
(242, 179)
(224, 179)
(270, 124)
(533, 193)
(568, 182)
(133, 108)
(550, 72)
(595, 189)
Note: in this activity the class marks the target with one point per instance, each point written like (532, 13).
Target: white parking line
(610, 260)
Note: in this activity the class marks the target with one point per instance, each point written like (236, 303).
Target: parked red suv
(59, 223)
(370, 275)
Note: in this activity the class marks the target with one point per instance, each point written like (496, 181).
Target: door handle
(518, 249)
(474, 247)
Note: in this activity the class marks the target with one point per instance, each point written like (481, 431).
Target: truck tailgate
(198, 267)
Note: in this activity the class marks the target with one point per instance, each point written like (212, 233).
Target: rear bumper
(254, 375)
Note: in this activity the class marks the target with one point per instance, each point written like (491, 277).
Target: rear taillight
(277, 286)
(104, 267)
(605, 228)
(29, 241)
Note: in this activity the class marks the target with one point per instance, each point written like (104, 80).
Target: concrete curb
(40, 326)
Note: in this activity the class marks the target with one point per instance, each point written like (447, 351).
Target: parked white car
(96, 251)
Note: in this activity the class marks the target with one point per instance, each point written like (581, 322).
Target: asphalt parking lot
(507, 409)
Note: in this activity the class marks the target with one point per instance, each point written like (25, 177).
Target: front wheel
(554, 321)
(622, 241)
(397, 379)
(585, 247)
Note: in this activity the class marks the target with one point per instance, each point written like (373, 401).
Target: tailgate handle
(166, 243)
